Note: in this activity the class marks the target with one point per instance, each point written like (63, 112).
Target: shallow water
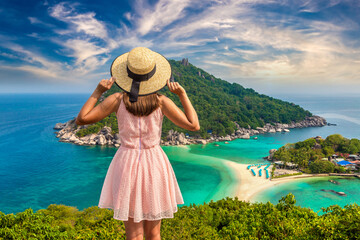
(308, 192)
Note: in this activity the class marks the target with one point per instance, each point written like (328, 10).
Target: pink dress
(140, 182)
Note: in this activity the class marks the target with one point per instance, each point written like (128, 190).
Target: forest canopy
(227, 218)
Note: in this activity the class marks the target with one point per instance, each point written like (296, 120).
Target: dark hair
(144, 106)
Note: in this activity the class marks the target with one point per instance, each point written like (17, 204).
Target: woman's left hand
(105, 84)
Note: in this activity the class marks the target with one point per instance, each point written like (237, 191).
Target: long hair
(144, 105)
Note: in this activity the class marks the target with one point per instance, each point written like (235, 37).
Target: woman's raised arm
(88, 114)
(189, 120)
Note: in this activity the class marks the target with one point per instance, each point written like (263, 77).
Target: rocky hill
(226, 111)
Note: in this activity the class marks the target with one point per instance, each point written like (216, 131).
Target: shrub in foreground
(227, 218)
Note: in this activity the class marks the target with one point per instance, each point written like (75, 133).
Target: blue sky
(275, 47)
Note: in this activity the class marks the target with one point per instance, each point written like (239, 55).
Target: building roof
(343, 163)
(355, 162)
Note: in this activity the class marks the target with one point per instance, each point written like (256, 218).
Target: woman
(140, 185)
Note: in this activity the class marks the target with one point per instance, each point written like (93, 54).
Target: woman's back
(139, 132)
(140, 183)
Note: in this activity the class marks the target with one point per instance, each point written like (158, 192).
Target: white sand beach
(249, 185)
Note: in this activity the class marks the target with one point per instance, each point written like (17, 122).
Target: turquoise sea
(36, 170)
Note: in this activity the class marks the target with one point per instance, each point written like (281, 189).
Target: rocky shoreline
(67, 133)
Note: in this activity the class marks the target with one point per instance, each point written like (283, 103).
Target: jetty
(345, 174)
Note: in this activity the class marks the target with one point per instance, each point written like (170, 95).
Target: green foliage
(218, 104)
(340, 169)
(287, 175)
(307, 144)
(322, 167)
(328, 151)
(227, 218)
(308, 155)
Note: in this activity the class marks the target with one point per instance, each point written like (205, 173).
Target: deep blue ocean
(37, 170)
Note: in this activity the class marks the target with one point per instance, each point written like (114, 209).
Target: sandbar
(247, 185)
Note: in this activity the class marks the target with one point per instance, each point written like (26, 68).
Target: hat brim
(158, 81)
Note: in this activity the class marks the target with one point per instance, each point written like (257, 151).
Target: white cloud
(155, 18)
(80, 23)
(304, 51)
(83, 49)
(236, 39)
(36, 21)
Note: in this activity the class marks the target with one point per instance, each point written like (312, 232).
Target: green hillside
(224, 219)
(218, 103)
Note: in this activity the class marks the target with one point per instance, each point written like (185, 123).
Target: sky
(273, 46)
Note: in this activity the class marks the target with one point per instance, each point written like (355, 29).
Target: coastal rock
(227, 138)
(272, 150)
(245, 136)
(202, 141)
(67, 133)
(106, 131)
(260, 129)
(181, 138)
(100, 139)
(169, 136)
(59, 126)
(73, 138)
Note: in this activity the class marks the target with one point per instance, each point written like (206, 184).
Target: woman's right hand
(105, 85)
(175, 87)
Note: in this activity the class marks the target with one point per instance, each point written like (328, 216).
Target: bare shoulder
(163, 100)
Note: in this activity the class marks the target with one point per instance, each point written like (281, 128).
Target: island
(226, 111)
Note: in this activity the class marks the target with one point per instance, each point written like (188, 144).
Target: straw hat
(140, 72)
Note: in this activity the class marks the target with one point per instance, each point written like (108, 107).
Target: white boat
(286, 130)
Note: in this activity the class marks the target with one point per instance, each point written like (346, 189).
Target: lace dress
(140, 182)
